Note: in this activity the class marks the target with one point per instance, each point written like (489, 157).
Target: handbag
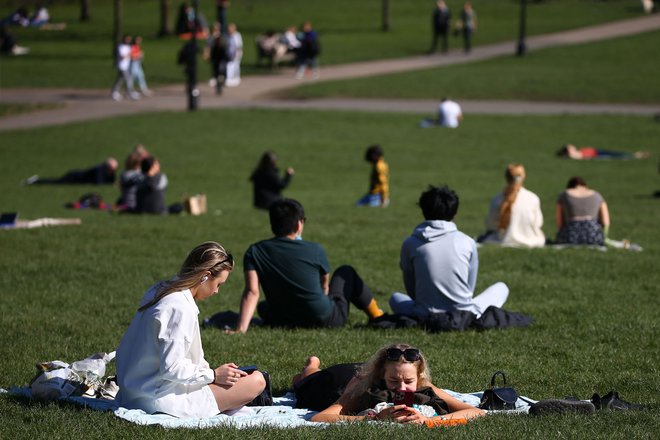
(502, 398)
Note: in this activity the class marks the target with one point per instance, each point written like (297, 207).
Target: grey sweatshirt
(440, 265)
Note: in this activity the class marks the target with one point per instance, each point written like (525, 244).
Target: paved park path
(256, 91)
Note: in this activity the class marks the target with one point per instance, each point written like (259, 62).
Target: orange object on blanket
(437, 423)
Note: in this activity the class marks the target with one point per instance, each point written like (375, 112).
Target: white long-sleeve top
(160, 361)
(525, 224)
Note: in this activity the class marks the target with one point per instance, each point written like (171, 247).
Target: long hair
(267, 162)
(515, 176)
(207, 257)
(372, 373)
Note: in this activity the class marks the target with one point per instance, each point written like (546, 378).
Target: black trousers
(346, 287)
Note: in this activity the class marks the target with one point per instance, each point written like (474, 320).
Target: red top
(136, 52)
(588, 152)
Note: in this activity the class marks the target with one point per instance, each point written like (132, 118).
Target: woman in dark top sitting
(268, 184)
(581, 214)
(394, 369)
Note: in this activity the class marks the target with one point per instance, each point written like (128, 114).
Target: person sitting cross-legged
(294, 275)
(440, 264)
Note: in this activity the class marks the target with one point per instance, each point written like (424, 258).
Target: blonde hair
(372, 373)
(515, 176)
(207, 257)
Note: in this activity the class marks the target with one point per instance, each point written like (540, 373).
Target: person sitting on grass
(379, 179)
(514, 217)
(393, 369)
(267, 185)
(587, 153)
(440, 264)
(581, 214)
(160, 360)
(294, 275)
(150, 195)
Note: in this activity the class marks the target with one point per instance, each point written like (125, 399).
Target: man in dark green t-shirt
(294, 275)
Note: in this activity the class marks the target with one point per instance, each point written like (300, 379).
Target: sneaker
(561, 406)
(30, 180)
(117, 96)
(612, 402)
(134, 96)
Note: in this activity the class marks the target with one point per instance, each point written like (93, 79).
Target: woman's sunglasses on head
(409, 354)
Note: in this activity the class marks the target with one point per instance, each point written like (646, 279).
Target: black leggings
(346, 287)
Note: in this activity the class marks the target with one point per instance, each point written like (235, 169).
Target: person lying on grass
(586, 153)
(160, 361)
(391, 372)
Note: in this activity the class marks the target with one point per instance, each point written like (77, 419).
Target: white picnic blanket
(282, 414)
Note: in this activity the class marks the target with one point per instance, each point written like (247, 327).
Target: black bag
(266, 396)
(499, 398)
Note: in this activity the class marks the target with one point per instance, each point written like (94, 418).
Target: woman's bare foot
(312, 365)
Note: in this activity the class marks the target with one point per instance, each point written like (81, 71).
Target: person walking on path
(123, 64)
(308, 53)
(468, 25)
(235, 51)
(137, 72)
(441, 23)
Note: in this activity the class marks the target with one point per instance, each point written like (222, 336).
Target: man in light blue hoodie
(440, 264)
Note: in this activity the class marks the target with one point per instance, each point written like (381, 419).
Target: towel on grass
(282, 414)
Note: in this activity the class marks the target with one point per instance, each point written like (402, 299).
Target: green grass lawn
(81, 55)
(69, 291)
(616, 71)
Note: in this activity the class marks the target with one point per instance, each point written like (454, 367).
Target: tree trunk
(84, 10)
(117, 25)
(165, 28)
(386, 15)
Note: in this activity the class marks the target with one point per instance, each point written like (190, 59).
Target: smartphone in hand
(248, 368)
(402, 397)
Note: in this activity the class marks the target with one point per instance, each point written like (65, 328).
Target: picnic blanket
(282, 414)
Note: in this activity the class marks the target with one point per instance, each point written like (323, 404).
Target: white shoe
(117, 96)
(213, 82)
(30, 180)
(134, 96)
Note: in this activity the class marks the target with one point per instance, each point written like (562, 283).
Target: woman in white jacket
(514, 217)
(160, 361)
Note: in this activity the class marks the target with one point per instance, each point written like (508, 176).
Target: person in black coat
(268, 184)
(102, 174)
(441, 24)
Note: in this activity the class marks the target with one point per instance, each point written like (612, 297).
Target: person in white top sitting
(449, 113)
(160, 361)
(514, 217)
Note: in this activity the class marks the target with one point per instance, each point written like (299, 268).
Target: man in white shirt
(449, 113)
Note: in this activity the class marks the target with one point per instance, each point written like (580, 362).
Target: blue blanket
(282, 414)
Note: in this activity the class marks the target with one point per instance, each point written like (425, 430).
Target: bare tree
(84, 10)
(165, 28)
